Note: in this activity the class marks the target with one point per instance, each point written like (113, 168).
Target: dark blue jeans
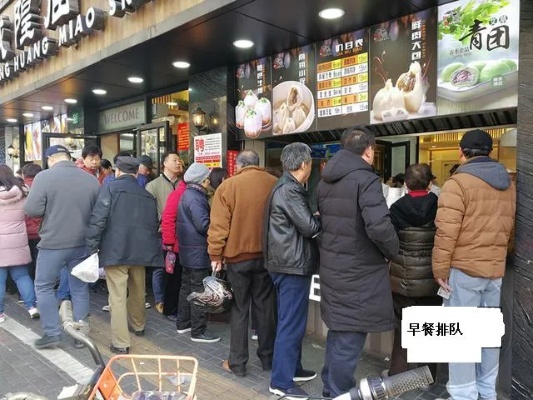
(293, 302)
(343, 350)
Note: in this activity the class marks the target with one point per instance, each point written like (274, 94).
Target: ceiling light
(99, 92)
(135, 79)
(11, 120)
(27, 115)
(181, 64)
(331, 13)
(243, 43)
(71, 101)
(47, 108)
(172, 104)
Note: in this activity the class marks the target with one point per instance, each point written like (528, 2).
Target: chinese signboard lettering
(208, 150)
(23, 39)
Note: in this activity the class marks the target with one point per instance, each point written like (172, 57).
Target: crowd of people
(374, 256)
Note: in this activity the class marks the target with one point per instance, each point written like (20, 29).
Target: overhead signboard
(293, 93)
(403, 68)
(478, 55)
(342, 81)
(128, 116)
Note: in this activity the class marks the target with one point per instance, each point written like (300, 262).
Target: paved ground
(46, 372)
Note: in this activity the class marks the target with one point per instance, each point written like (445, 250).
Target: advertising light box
(403, 61)
(478, 55)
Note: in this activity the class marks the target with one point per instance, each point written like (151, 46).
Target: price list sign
(342, 81)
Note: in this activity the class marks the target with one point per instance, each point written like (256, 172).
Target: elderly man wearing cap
(475, 217)
(124, 216)
(192, 225)
(63, 196)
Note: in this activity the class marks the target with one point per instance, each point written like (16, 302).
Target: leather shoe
(226, 367)
(119, 350)
(139, 333)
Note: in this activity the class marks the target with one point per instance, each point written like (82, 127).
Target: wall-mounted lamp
(199, 120)
(12, 152)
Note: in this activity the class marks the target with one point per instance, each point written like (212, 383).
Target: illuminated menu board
(342, 81)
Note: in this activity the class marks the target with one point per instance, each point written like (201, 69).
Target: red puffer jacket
(170, 215)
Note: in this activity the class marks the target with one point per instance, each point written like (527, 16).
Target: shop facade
(341, 75)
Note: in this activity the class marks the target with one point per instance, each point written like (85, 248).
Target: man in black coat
(356, 241)
(124, 226)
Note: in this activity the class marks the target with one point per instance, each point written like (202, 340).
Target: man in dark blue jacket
(191, 229)
(124, 225)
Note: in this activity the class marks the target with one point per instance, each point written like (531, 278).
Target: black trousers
(172, 290)
(398, 362)
(251, 284)
(188, 314)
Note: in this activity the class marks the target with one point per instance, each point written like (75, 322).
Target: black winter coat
(192, 226)
(414, 218)
(357, 235)
(124, 225)
(290, 247)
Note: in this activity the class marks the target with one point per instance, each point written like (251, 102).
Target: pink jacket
(14, 250)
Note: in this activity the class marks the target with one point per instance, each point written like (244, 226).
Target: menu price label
(342, 81)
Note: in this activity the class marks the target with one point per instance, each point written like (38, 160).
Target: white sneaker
(147, 305)
(34, 313)
(254, 335)
(105, 308)
(2, 317)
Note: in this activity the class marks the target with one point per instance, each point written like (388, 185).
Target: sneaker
(254, 334)
(304, 375)
(105, 308)
(205, 338)
(294, 393)
(47, 342)
(147, 305)
(34, 313)
(2, 317)
(159, 308)
(185, 330)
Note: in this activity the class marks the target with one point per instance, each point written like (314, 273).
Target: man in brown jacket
(235, 239)
(474, 221)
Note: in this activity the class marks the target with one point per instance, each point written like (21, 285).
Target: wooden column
(522, 365)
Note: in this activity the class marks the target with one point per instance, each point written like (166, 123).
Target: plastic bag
(170, 261)
(88, 269)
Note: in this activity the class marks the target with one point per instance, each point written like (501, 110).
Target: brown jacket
(474, 220)
(235, 232)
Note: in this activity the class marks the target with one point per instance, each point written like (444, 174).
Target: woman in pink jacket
(14, 251)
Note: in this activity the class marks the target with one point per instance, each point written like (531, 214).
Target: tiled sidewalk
(23, 368)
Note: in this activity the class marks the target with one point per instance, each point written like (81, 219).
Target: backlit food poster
(478, 55)
(294, 82)
(208, 150)
(32, 142)
(403, 61)
(342, 72)
(253, 113)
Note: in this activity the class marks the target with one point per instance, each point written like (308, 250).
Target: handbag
(88, 269)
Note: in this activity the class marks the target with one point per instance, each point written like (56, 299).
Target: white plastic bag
(88, 269)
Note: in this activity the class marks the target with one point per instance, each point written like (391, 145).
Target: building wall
(522, 368)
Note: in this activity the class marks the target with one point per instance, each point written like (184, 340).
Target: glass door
(153, 141)
(74, 143)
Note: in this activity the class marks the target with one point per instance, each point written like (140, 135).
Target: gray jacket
(63, 196)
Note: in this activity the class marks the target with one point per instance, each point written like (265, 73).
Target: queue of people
(374, 258)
